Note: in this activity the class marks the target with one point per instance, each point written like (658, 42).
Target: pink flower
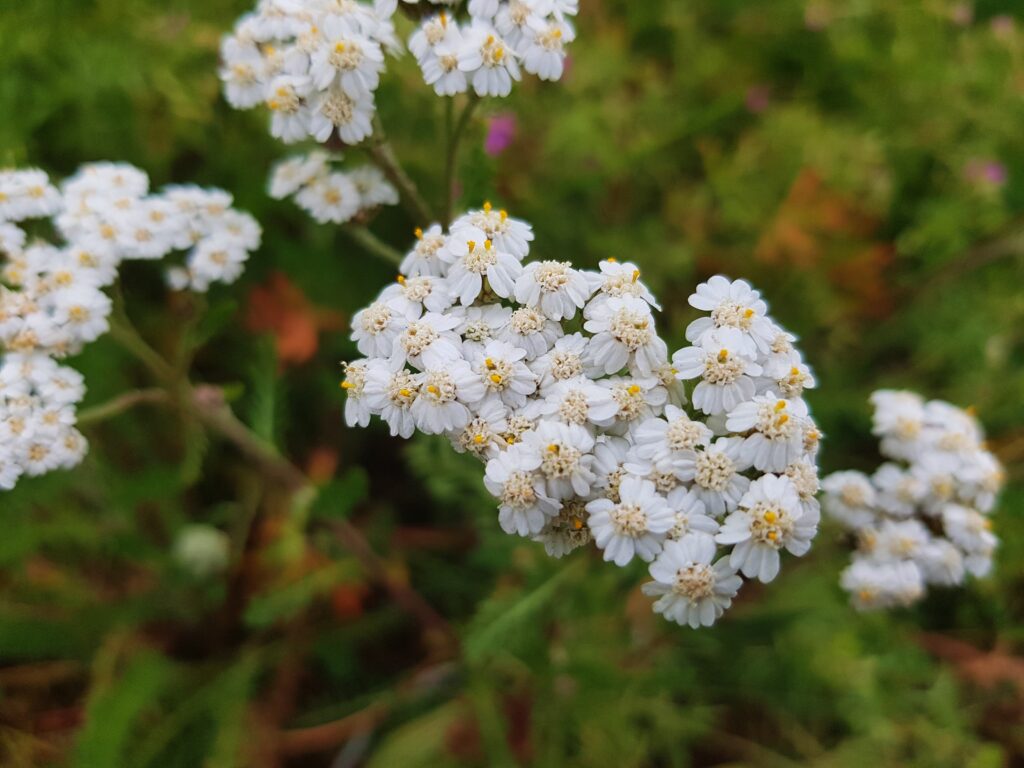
(758, 99)
(985, 173)
(501, 132)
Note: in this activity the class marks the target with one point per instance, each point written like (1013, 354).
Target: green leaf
(115, 709)
(337, 499)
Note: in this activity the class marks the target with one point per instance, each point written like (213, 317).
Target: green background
(827, 151)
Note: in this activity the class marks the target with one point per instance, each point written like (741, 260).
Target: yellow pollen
(499, 53)
(478, 439)
(723, 355)
(866, 596)
(282, 92)
(487, 245)
(748, 314)
(418, 232)
(780, 405)
(772, 535)
(986, 524)
(553, 448)
(487, 206)
(496, 378)
(577, 524)
(503, 214)
(972, 410)
(770, 517)
(432, 389)
(471, 244)
(401, 279)
(347, 385)
(405, 392)
(634, 389)
(490, 39)
(273, 104)
(339, 47)
(270, 50)
(510, 440)
(557, 33)
(489, 363)
(782, 420)
(674, 371)
(612, 259)
(794, 371)
(636, 275)
(444, 19)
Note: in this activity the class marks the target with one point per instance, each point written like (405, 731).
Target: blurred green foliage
(860, 161)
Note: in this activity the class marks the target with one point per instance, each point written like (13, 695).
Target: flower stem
(373, 244)
(120, 404)
(454, 136)
(383, 156)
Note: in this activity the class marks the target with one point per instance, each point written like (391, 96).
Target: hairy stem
(383, 156)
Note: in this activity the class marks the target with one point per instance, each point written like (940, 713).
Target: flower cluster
(487, 51)
(328, 194)
(317, 64)
(556, 379)
(922, 517)
(52, 299)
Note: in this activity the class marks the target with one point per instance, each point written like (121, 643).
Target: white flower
(553, 287)
(284, 98)
(624, 335)
(882, 585)
(473, 257)
(972, 532)
(508, 234)
(899, 420)
(566, 531)
(484, 435)
(347, 58)
(616, 281)
(445, 392)
(291, 175)
(578, 401)
(565, 457)
(376, 327)
(896, 491)
(335, 111)
(428, 343)
(566, 360)
(776, 433)
(423, 258)
(487, 61)
(330, 198)
(529, 329)
(480, 325)
(410, 297)
(724, 368)
(485, 9)
(512, 477)
(769, 518)
(373, 188)
(636, 525)
(690, 589)
(504, 374)
(670, 436)
(732, 304)
(715, 472)
(690, 516)
(391, 395)
(358, 408)
(610, 457)
(543, 49)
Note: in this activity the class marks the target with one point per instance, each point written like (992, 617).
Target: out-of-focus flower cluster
(557, 380)
(922, 518)
(328, 194)
(52, 300)
(317, 64)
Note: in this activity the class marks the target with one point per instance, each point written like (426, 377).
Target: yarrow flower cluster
(922, 518)
(558, 382)
(52, 299)
(317, 64)
(328, 194)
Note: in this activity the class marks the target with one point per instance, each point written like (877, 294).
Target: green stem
(120, 404)
(373, 244)
(125, 334)
(452, 156)
(383, 156)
